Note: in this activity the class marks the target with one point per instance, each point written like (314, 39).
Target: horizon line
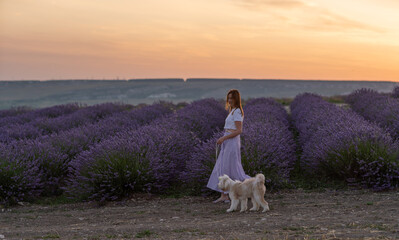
(197, 78)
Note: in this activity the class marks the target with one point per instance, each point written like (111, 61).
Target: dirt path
(294, 214)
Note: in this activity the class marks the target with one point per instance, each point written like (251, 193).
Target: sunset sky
(284, 39)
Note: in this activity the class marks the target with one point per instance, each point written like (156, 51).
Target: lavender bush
(340, 144)
(148, 159)
(77, 140)
(203, 117)
(73, 142)
(268, 145)
(29, 168)
(51, 154)
(377, 108)
(143, 160)
(199, 165)
(19, 180)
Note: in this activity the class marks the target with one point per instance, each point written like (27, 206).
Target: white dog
(253, 188)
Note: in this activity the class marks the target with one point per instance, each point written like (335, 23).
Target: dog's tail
(260, 179)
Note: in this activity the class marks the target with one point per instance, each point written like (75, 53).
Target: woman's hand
(220, 140)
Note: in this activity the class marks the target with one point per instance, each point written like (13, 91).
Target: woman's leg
(223, 196)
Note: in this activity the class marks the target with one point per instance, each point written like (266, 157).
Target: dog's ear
(225, 180)
(224, 183)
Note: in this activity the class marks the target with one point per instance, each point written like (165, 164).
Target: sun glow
(287, 39)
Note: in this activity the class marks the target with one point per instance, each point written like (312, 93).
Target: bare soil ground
(294, 214)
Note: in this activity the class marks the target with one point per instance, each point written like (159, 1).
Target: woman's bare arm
(235, 132)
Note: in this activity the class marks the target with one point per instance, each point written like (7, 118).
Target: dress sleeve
(237, 115)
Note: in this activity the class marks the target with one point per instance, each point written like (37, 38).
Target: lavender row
(14, 111)
(340, 144)
(376, 107)
(46, 125)
(49, 156)
(49, 112)
(149, 159)
(267, 146)
(79, 139)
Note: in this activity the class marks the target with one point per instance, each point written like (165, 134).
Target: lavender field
(110, 151)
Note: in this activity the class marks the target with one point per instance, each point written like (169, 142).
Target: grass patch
(379, 226)
(292, 228)
(220, 211)
(111, 235)
(145, 233)
(94, 237)
(54, 200)
(51, 236)
(334, 99)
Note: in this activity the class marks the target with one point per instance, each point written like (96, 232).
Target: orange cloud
(306, 15)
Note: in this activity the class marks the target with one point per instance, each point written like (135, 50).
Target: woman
(229, 159)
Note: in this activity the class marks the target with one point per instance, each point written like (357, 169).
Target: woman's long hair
(237, 100)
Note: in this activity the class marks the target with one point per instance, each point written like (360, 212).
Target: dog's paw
(229, 210)
(266, 209)
(253, 209)
(242, 211)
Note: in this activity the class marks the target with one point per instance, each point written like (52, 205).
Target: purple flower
(340, 144)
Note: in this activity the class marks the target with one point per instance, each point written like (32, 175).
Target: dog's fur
(253, 188)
